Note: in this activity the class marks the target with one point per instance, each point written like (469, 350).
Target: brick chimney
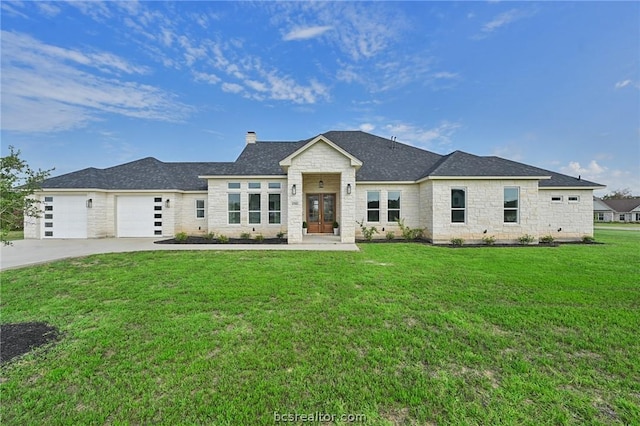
(251, 137)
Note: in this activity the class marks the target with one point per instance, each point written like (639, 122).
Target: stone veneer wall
(410, 207)
(574, 218)
(321, 158)
(484, 210)
(217, 207)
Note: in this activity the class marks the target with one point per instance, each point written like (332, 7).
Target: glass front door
(321, 213)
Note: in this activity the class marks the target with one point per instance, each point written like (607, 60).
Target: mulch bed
(496, 245)
(204, 240)
(19, 338)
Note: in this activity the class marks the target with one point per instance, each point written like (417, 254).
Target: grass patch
(15, 235)
(617, 224)
(402, 333)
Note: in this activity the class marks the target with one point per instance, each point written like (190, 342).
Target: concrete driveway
(33, 252)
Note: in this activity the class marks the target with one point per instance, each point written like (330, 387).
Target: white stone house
(339, 176)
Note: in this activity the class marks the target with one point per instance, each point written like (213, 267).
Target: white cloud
(367, 127)
(592, 171)
(48, 9)
(502, 20)
(306, 33)
(48, 88)
(11, 8)
(626, 83)
(208, 78)
(231, 88)
(415, 135)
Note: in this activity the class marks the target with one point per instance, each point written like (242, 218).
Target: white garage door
(139, 216)
(65, 216)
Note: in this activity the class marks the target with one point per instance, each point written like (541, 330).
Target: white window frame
(463, 209)
(278, 212)
(559, 198)
(254, 185)
(234, 185)
(202, 209)
(573, 198)
(275, 185)
(373, 210)
(399, 209)
(230, 212)
(259, 211)
(505, 208)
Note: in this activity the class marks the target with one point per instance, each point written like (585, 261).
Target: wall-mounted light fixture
(321, 184)
(167, 203)
(89, 203)
(348, 188)
(293, 189)
(559, 229)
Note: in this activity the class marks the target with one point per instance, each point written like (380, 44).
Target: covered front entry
(321, 213)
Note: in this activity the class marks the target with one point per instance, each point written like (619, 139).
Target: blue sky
(552, 84)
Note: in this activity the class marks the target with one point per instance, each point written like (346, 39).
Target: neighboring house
(343, 176)
(622, 210)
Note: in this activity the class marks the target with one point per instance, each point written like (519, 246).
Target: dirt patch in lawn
(19, 338)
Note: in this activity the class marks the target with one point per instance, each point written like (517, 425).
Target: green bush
(526, 239)
(408, 233)
(223, 239)
(259, 237)
(489, 240)
(210, 236)
(457, 242)
(588, 239)
(367, 232)
(547, 239)
(181, 237)
(390, 235)
(280, 235)
(245, 236)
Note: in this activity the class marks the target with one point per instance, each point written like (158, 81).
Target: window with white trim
(458, 205)
(556, 199)
(574, 199)
(511, 204)
(275, 185)
(233, 185)
(393, 206)
(234, 208)
(199, 209)
(600, 216)
(254, 208)
(373, 206)
(254, 185)
(274, 209)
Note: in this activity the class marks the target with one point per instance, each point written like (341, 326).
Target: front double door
(321, 213)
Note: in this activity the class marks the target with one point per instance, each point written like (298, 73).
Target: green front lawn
(401, 333)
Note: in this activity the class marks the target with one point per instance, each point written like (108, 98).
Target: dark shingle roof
(460, 164)
(623, 205)
(147, 173)
(382, 160)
